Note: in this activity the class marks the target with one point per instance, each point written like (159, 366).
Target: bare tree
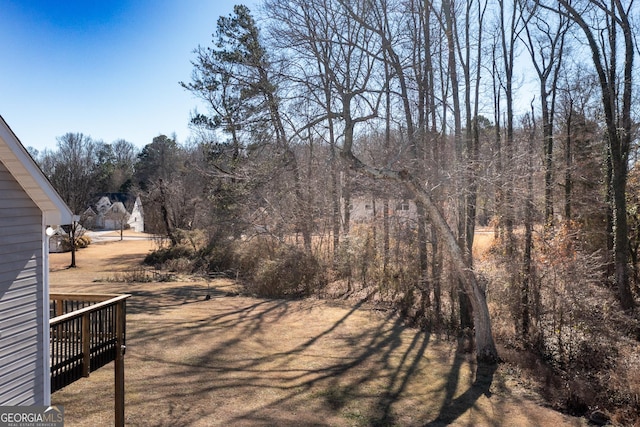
(73, 176)
(510, 26)
(158, 165)
(576, 96)
(545, 41)
(119, 215)
(124, 157)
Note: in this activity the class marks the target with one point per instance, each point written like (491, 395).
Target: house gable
(29, 203)
(24, 169)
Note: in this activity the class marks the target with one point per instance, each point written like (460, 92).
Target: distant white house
(28, 206)
(369, 208)
(113, 211)
(56, 239)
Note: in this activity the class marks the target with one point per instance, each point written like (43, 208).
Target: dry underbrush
(267, 267)
(581, 351)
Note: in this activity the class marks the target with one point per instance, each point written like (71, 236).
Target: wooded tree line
(318, 104)
(516, 116)
(423, 95)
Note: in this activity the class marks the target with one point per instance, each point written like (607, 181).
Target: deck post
(119, 364)
(86, 344)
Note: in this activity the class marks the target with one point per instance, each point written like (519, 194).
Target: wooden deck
(86, 332)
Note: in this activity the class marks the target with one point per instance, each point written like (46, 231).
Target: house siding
(22, 328)
(401, 211)
(136, 221)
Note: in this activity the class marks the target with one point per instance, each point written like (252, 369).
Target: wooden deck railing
(87, 331)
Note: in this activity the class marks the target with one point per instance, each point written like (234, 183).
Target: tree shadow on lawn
(280, 362)
(246, 321)
(454, 407)
(351, 374)
(144, 301)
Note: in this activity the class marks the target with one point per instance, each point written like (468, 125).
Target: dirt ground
(239, 361)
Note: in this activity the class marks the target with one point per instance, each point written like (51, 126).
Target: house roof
(127, 200)
(25, 170)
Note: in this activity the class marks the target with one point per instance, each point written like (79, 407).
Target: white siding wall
(136, 220)
(22, 328)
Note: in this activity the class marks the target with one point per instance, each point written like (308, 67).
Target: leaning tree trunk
(486, 351)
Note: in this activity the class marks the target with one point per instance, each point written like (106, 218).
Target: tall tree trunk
(72, 242)
(436, 274)
(466, 320)
(497, 153)
(610, 224)
(547, 131)
(423, 255)
(568, 156)
(346, 196)
(526, 284)
(335, 203)
(335, 165)
(164, 211)
(508, 52)
(387, 152)
(546, 58)
(386, 243)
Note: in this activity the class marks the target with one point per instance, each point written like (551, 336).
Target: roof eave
(25, 170)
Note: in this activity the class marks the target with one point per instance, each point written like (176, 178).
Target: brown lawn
(240, 361)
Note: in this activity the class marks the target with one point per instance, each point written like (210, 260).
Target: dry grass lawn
(239, 361)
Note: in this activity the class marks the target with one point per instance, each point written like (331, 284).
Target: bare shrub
(81, 242)
(179, 265)
(217, 256)
(248, 254)
(358, 259)
(290, 272)
(161, 256)
(140, 275)
(575, 306)
(624, 384)
(196, 239)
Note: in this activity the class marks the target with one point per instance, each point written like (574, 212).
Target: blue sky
(108, 69)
